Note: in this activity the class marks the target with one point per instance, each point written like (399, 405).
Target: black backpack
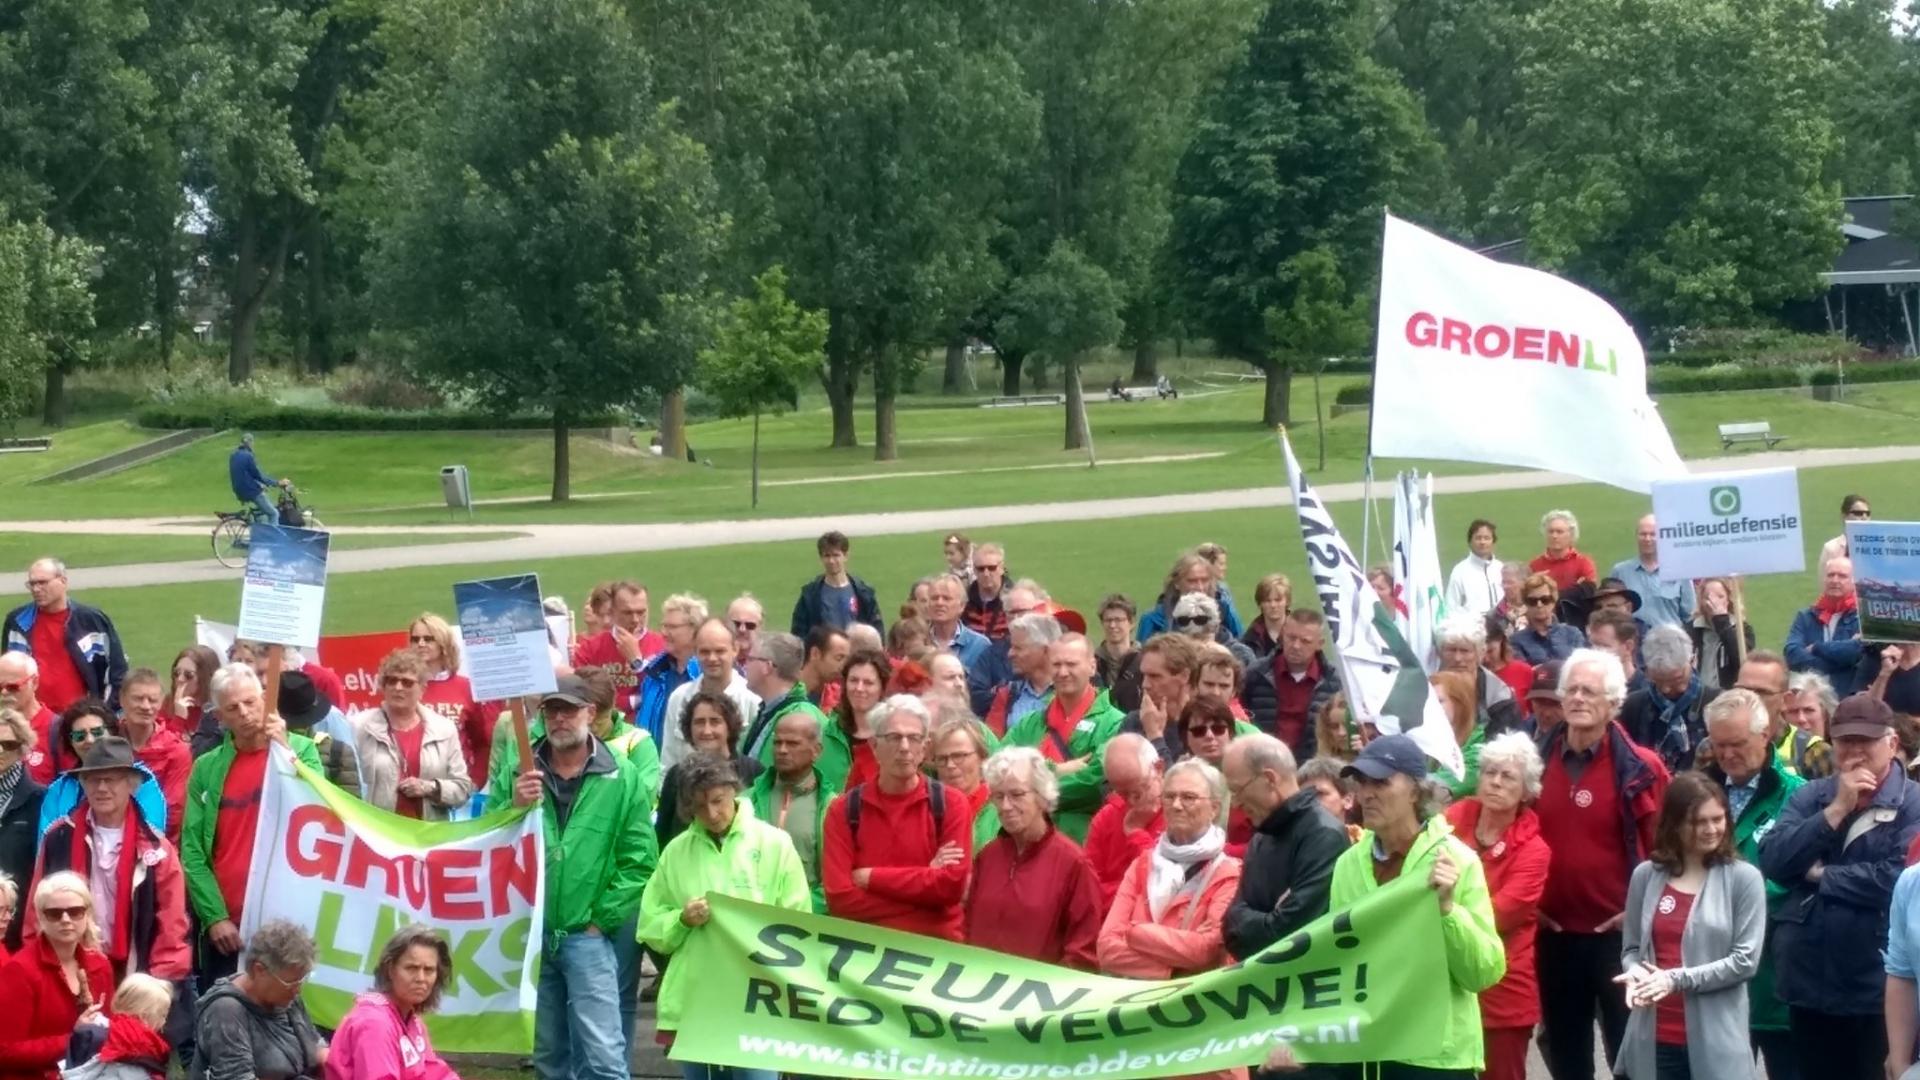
(936, 801)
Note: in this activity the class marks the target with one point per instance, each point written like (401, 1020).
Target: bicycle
(233, 529)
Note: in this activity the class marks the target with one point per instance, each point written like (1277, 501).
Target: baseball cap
(1387, 755)
(1861, 716)
(570, 689)
(1546, 682)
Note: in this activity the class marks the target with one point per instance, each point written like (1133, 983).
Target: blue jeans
(691, 1071)
(577, 1030)
(626, 956)
(264, 509)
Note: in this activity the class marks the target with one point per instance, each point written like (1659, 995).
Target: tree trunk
(53, 410)
(254, 278)
(956, 365)
(1146, 362)
(1076, 407)
(756, 458)
(319, 311)
(562, 461)
(165, 299)
(1037, 377)
(1010, 365)
(840, 382)
(1319, 418)
(673, 424)
(1279, 382)
(885, 447)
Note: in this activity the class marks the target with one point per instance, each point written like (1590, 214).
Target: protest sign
(354, 657)
(1886, 578)
(1718, 524)
(355, 874)
(1385, 683)
(503, 634)
(802, 993)
(1464, 339)
(285, 586)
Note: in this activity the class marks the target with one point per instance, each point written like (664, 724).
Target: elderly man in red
(1131, 821)
(898, 850)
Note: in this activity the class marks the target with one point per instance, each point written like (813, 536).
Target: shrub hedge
(192, 414)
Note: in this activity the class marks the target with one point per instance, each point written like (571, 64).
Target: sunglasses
(421, 639)
(77, 913)
(742, 625)
(983, 568)
(12, 687)
(8, 746)
(86, 735)
(1212, 727)
(399, 681)
(1192, 620)
(1539, 601)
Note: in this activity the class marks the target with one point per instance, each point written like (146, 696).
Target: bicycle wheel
(230, 542)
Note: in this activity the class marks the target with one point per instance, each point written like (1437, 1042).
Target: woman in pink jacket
(1165, 920)
(383, 1036)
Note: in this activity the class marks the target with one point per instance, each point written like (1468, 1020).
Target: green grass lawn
(107, 549)
(1079, 562)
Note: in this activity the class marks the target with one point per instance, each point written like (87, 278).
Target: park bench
(25, 446)
(1018, 400)
(1757, 431)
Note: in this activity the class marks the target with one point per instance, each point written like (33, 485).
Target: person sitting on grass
(384, 1036)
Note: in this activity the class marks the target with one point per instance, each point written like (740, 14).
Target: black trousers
(1670, 1062)
(1839, 1047)
(211, 965)
(1576, 986)
(1776, 1050)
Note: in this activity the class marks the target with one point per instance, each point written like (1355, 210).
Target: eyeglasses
(398, 681)
(77, 913)
(422, 639)
(86, 735)
(1539, 601)
(12, 687)
(1182, 798)
(294, 985)
(40, 583)
(900, 738)
(1572, 692)
(1211, 727)
(742, 625)
(1009, 795)
(1192, 620)
(956, 757)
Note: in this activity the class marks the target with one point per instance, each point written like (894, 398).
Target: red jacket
(170, 760)
(40, 1010)
(1112, 850)
(1043, 904)
(452, 697)
(1516, 867)
(896, 841)
(1134, 944)
(156, 937)
(1566, 571)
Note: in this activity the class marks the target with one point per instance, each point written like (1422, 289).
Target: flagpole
(1366, 495)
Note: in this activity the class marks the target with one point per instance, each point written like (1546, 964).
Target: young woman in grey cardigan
(1695, 920)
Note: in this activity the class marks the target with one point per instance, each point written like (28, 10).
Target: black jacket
(1729, 673)
(92, 643)
(20, 846)
(1286, 875)
(1121, 680)
(1257, 696)
(1640, 715)
(809, 611)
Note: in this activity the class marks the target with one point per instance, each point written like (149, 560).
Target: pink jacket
(1132, 944)
(372, 1044)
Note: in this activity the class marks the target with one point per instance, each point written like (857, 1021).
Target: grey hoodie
(240, 1040)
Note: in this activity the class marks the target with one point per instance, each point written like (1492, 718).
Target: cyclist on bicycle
(250, 485)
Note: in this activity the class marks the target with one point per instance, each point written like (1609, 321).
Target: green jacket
(1475, 957)
(204, 787)
(754, 861)
(1083, 790)
(836, 752)
(598, 864)
(622, 738)
(1765, 1011)
(761, 796)
(1463, 786)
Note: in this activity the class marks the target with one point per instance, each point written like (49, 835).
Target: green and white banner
(354, 874)
(806, 994)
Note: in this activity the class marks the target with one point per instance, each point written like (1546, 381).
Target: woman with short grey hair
(1034, 892)
(253, 1024)
(1562, 561)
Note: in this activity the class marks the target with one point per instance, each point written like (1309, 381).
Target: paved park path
(539, 542)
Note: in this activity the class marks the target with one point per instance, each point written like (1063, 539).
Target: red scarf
(1060, 726)
(1827, 609)
(82, 861)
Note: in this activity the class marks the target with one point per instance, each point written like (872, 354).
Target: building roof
(1875, 254)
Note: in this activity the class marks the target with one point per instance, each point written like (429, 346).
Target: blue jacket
(1558, 643)
(65, 793)
(1809, 649)
(1828, 936)
(1159, 620)
(92, 643)
(658, 681)
(810, 610)
(244, 474)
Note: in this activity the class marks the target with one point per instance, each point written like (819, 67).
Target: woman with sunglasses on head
(411, 761)
(448, 692)
(86, 722)
(1852, 508)
(59, 982)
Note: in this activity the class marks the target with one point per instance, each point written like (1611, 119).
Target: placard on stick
(285, 586)
(1724, 524)
(503, 631)
(1886, 578)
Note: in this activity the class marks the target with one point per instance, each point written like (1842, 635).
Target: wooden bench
(1018, 400)
(1758, 431)
(25, 446)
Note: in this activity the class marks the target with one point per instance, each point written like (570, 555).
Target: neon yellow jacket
(1475, 958)
(754, 861)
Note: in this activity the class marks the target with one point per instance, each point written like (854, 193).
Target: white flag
(1479, 360)
(1385, 684)
(1416, 552)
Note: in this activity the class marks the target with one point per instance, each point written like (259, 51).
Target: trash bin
(455, 486)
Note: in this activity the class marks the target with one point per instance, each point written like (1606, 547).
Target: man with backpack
(899, 849)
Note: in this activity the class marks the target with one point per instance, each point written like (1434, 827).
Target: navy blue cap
(1387, 755)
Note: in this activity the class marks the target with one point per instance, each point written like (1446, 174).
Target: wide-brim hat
(110, 754)
(301, 704)
(1613, 586)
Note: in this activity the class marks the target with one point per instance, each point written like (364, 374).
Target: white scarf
(1167, 878)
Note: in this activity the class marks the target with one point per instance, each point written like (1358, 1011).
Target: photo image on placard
(1886, 578)
(501, 606)
(293, 556)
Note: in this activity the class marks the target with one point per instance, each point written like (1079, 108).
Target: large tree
(1062, 310)
(766, 348)
(1300, 147)
(555, 233)
(46, 308)
(1676, 154)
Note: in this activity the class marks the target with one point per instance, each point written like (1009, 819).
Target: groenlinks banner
(353, 874)
(805, 994)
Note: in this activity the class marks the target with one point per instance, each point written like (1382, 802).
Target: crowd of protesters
(1664, 835)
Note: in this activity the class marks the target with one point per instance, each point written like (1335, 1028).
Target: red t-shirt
(408, 742)
(40, 760)
(599, 651)
(1669, 922)
(1293, 701)
(452, 697)
(1581, 823)
(60, 681)
(234, 827)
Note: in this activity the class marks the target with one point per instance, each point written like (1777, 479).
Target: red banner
(356, 659)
